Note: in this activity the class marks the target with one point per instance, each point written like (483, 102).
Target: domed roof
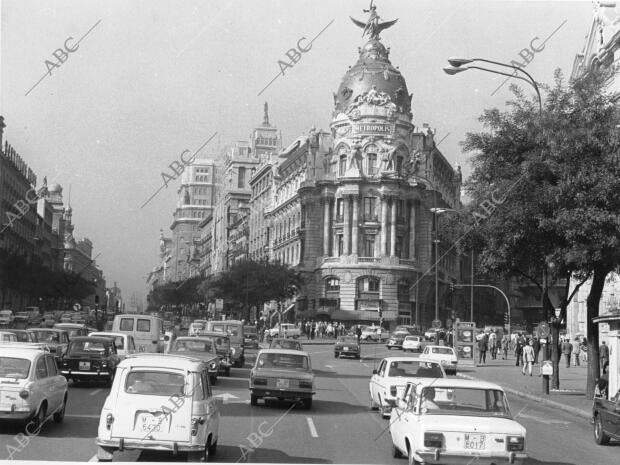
(55, 188)
(373, 70)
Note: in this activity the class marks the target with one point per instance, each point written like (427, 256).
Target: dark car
(222, 349)
(199, 347)
(90, 358)
(55, 340)
(23, 335)
(250, 337)
(396, 340)
(347, 345)
(606, 416)
(284, 343)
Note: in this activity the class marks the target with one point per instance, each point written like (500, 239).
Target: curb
(550, 403)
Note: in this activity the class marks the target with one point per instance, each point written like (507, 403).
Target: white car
(284, 330)
(124, 343)
(6, 318)
(390, 379)
(196, 326)
(444, 355)
(471, 423)
(412, 343)
(374, 333)
(6, 336)
(32, 387)
(160, 402)
(430, 334)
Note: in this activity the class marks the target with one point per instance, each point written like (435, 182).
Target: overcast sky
(153, 78)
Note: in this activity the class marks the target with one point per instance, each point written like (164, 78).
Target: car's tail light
(305, 384)
(260, 381)
(109, 419)
(24, 394)
(433, 440)
(213, 365)
(393, 390)
(195, 423)
(515, 443)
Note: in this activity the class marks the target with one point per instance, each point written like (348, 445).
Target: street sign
(543, 329)
(546, 368)
(77, 307)
(437, 324)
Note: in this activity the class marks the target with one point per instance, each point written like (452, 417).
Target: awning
(288, 309)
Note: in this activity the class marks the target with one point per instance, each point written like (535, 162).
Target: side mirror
(374, 372)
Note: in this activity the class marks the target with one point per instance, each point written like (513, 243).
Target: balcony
(368, 259)
(407, 262)
(371, 219)
(365, 304)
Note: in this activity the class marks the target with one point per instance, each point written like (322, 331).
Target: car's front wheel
(307, 403)
(59, 415)
(410, 459)
(395, 452)
(600, 436)
(253, 399)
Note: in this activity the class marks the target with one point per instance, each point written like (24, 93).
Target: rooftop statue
(373, 27)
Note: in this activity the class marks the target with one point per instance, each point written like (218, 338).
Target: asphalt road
(340, 427)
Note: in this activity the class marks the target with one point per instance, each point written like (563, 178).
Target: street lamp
(456, 66)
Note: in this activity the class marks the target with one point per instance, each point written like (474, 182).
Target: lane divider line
(93, 458)
(95, 392)
(82, 416)
(313, 432)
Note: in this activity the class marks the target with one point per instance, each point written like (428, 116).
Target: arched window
(402, 290)
(368, 286)
(342, 165)
(332, 284)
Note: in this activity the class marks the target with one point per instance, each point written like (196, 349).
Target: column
(393, 229)
(412, 229)
(347, 226)
(326, 231)
(354, 226)
(383, 226)
(333, 229)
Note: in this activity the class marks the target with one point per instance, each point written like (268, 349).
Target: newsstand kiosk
(613, 319)
(464, 340)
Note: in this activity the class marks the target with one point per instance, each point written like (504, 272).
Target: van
(145, 329)
(234, 329)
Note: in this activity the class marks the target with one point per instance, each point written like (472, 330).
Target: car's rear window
(47, 336)
(12, 367)
(143, 325)
(285, 344)
(155, 383)
(287, 361)
(415, 369)
(467, 401)
(443, 350)
(87, 347)
(348, 340)
(412, 338)
(193, 345)
(126, 324)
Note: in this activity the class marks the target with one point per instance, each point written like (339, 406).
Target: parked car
(347, 345)
(282, 374)
(456, 421)
(396, 340)
(250, 335)
(160, 402)
(74, 329)
(390, 379)
(6, 318)
(32, 387)
(606, 417)
(429, 335)
(21, 320)
(124, 343)
(6, 336)
(55, 340)
(283, 343)
(23, 335)
(444, 355)
(90, 358)
(412, 344)
(199, 347)
(374, 333)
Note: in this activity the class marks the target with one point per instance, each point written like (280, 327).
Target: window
(403, 291)
(241, 177)
(399, 164)
(339, 210)
(155, 383)
(340, 242)
(342, 165)
(369, 209)
(143, 326)
(368, 284)
(51, 366)
(126, 324)
(371, 163)
(398, 246)
(41, 368)
(332, 285)
(369, 245)
(400, 208)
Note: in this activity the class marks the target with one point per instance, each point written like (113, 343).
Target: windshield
(193, 345)
(11, 367)
(47, 336)
(155, 383)
(285, 344)
(21, 336)
(415, 369)
(284, 361)
(443, 350)
(412, 338)
(464, 401)
(6, 313)
(88, 348)
(348, 340)
(221, 343)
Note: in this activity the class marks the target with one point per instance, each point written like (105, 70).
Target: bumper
(111, 445)
(436, 456)
(23, 413)
(285, 394)
(353, 352)
(84, 373)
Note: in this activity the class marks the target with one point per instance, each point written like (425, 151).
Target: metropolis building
(366, 223)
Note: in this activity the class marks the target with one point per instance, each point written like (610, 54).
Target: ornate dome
(55, 188)
(373, 70)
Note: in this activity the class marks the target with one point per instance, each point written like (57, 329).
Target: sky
(152, 78)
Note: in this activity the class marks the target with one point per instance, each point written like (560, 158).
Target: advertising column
(464, 342)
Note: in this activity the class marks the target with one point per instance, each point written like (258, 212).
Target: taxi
(160, 402)
(456, 421)
(31, 386)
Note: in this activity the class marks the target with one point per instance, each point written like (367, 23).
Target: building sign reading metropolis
(373, 128)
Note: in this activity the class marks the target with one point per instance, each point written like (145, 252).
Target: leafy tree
(546, 196)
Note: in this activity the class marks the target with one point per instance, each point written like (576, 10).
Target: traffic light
(505, 318)
(380, 313)
(452, 287)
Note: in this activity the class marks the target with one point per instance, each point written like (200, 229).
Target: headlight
(305, 384)
(515, 443)
(24, 394)
(434, 440)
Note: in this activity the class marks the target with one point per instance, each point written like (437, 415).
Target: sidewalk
(570, 397)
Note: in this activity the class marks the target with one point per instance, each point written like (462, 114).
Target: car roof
(166, 361)
(108, 334)
(91, 338)
(194, 338)
(406, 359)
(55, 330)
(70, 325)
(9, 350)
(6, 332)
(282, 351)
(458, 383)
(212, 333)
(442, 347)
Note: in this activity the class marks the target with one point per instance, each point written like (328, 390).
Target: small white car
(412, 343)
(32, 387)
(159, 402)
(284, 330)
(456, 421)
(374, 333)
(6, 318)
(6, 336)
(390, 379)
(444, 355)
(124, 343)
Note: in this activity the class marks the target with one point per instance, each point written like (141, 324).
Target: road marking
(545, 420)
(312, 428)
(329, 366)
(95, 392)
(82, 416)
(93, 458)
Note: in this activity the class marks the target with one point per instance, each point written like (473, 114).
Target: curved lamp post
(456, 66)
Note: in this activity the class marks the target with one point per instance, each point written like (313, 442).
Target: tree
(546, 196)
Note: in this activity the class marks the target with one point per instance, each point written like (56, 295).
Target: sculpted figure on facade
(387, 152)
(355, 159)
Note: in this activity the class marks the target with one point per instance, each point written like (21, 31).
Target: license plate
(8, 398)
(345, 348)
(282, 383)
(474, 441)
(148, 423)
(84, 366)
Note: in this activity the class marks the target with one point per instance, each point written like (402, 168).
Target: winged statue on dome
(373, 27)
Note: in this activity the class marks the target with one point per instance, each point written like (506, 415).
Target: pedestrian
(567, 349)
(518, 350)
(312, 331)
(576, 349)
(603, 355)
(482, 350)
(536, 347)
(493, 344)
(528, 358)
(358, 332)
(584, 350)
(505, 346)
